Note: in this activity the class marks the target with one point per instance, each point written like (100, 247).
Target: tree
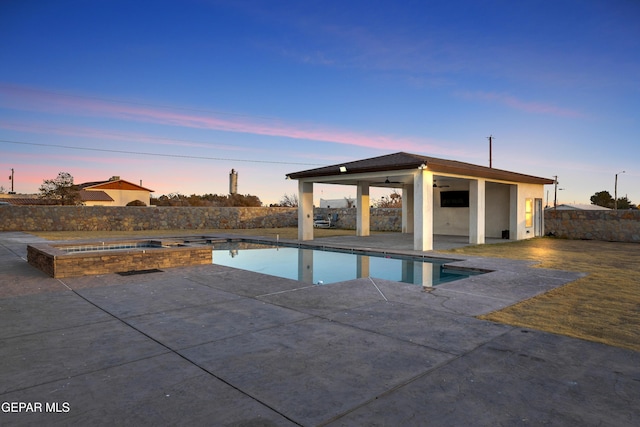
(602, 198)
(394, 200)
(625, 203)
(61, 189)
(177, 199)
(289, 201)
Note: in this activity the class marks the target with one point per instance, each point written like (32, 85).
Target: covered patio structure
(438, 197)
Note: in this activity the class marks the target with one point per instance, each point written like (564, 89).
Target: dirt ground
(604, 306)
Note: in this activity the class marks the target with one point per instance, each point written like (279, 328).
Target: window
(528, 213)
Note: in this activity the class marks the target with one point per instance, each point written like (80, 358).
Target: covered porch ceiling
(394, 179)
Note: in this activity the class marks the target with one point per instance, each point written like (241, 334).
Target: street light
(615, 192)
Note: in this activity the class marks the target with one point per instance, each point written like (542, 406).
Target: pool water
(317, 266)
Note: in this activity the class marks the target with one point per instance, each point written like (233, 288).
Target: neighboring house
(95, 198)
(87, 197)
(113, 192)
(337, 203)
(24, 200)
(579, 207)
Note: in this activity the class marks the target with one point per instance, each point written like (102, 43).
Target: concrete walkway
(211, 345)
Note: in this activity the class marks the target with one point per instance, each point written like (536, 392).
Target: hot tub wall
(41, 259)
(59, 264)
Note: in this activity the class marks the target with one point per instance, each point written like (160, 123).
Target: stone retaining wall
(617, 226)
(381, 219)
(612, 226)
(131, 218)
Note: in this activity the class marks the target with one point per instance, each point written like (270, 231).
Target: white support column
(423, 211)
(305, 210)
(514, 206)
(363, 211)
(477, 198)
(363, 266)
(305, 266)
(407, 208)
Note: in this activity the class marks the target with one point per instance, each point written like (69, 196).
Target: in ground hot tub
(88, 258)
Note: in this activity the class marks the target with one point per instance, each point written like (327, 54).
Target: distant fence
(608, 225)
(615, 226)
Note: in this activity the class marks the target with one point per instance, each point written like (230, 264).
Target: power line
(142, 153)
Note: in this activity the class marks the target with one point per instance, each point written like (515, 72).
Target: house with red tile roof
(113, 192)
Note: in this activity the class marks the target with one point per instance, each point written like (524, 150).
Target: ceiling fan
(386, 181)
(435, 185)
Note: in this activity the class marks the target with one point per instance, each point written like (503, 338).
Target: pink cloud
(50, 102)
(515, 103)
(95, 133)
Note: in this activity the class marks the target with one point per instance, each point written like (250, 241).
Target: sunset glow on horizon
(178, 99)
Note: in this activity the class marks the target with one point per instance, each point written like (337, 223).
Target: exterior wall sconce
(422, 166)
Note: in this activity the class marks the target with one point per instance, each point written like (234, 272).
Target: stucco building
(113, 192)
(438, 197)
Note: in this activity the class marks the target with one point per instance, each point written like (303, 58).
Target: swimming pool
(321, 266)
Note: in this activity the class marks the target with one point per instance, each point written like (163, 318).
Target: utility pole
(615, 192)
(490, 138)
(11, 179)
(555, 192)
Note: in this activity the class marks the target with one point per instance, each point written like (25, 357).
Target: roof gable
(118, 184)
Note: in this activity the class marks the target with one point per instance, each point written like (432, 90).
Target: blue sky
(176, 94)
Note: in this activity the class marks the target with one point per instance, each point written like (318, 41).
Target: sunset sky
(177, 93)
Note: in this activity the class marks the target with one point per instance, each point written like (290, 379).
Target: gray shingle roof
(405, 161)
(94, 196)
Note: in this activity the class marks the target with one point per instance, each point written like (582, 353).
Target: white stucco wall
(450, 221)
(455, 221)
(497, 209)
(524, 192)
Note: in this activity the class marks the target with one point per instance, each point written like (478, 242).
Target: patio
(219, 346)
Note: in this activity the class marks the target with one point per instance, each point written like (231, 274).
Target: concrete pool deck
(212, 345)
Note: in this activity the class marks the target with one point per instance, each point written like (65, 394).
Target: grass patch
(604, 306)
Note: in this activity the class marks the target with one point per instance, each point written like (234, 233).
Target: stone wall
(131, 218)
(618, 226)
(381, 219)
(613, 226)
(58, 264)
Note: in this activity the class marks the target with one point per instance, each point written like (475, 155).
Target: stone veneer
(133, 218)
(606, 225)
(381, 219)
(57, 263)
(619, 226)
